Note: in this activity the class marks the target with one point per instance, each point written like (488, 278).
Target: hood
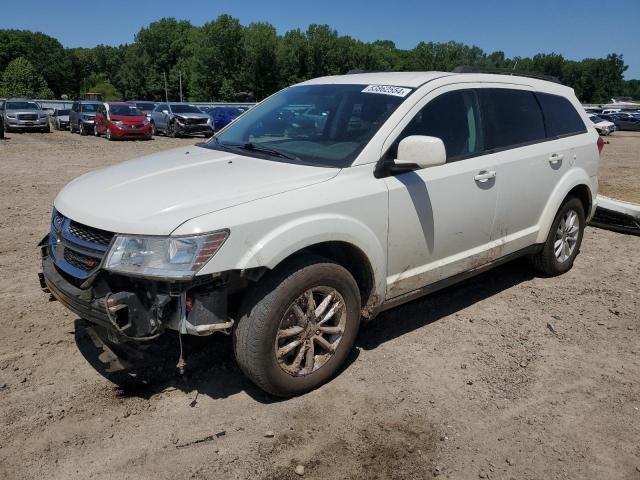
(128, 119)
(26, 112)
(153, 195)
(605, 123)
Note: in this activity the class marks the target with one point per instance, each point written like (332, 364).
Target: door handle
(555, 158)
(484, 176)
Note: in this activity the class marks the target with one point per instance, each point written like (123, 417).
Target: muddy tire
(564, 239)
(279, 313)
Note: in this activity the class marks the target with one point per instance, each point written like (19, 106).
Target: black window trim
(384, 165)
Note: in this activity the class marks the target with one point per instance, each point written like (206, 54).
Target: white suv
(328, 202)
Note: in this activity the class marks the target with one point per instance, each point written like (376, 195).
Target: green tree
(260, 71)
(21, 79)
(217, 55)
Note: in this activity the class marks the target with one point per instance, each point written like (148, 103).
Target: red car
(119, 120)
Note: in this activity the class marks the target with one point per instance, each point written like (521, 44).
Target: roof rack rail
(504, 71)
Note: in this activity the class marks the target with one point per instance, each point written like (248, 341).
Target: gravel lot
(507, 376)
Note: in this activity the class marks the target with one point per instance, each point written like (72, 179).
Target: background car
(60, 119)
(604, 127)
(82, 116)
(624, 121)
(120, 120)
(177, 119)
(222, 116)
(23, 114)
(144, 106)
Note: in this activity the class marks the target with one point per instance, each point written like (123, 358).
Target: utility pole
(180, 72)
(166, 91)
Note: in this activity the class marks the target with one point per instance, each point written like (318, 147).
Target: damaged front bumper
(139, 309)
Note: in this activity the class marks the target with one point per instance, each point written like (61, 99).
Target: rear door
(533, 149)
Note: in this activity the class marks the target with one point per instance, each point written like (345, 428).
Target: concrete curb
(617, 215)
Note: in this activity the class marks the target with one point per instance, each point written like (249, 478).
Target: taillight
(600, 144)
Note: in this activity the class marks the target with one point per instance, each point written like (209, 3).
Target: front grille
(196, 121)
(79, 260)
(90, 234)
(77, 249)
(28, 116)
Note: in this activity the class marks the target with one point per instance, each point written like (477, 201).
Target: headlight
(118, 123)
(11, 115)
(209, 121)
(179, 119)
(169, 257)
(146, 121)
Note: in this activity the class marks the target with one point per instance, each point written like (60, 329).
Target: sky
(574, 28)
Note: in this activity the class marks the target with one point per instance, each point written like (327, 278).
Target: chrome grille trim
(77, 249)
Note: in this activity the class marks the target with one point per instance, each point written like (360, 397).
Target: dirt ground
(507, 376)
(620, 167)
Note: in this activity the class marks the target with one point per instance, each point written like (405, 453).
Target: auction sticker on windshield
(387, 90)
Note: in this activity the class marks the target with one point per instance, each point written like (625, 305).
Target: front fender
(570, 180)
(269, 248)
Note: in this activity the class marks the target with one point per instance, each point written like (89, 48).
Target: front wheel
(564, 239)
(297, 325)
(83, 130)
(108, 135)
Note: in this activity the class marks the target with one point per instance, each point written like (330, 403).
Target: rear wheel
(564, 239)
(297, 326)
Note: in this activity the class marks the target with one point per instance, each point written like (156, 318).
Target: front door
(441, 218)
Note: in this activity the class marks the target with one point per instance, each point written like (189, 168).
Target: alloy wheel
(566, 236)
(310, 331)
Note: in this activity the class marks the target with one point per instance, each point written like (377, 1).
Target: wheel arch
(576, 183)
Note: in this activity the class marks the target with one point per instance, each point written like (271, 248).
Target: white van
(294, 223)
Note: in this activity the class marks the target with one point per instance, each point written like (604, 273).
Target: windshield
(323, 125)
(177, 108)
(125, 110)
(22, 106)
(62, 113)
(145, 107)
(90, 107)
(596, 119)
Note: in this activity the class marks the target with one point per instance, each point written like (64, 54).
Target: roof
(398, 79)
(417, 79)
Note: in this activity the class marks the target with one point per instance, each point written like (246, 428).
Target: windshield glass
(22, 106)
(323, 125)
(125, 110)
(596, 119)
(61, 113)
(145, 107)
(90, 107)
(178, 108)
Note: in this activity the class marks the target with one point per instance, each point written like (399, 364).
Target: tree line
(226, 61)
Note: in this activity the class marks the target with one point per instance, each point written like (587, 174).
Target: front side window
(162, 107)
(452, 117)
(512, 118)
(561, 117)
(323, 125)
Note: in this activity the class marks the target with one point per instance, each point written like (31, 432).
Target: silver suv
(23, 114)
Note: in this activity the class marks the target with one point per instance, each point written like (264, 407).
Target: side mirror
(166, 112)
(422, 151)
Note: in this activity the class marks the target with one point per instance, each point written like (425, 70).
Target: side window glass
(512, 117)
(454, 118)
(560, 116)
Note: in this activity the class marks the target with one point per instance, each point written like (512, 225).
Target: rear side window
(560, 116)
(454, 118)
(512, 118)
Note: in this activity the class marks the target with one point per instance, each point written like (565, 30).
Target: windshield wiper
(252, 147)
